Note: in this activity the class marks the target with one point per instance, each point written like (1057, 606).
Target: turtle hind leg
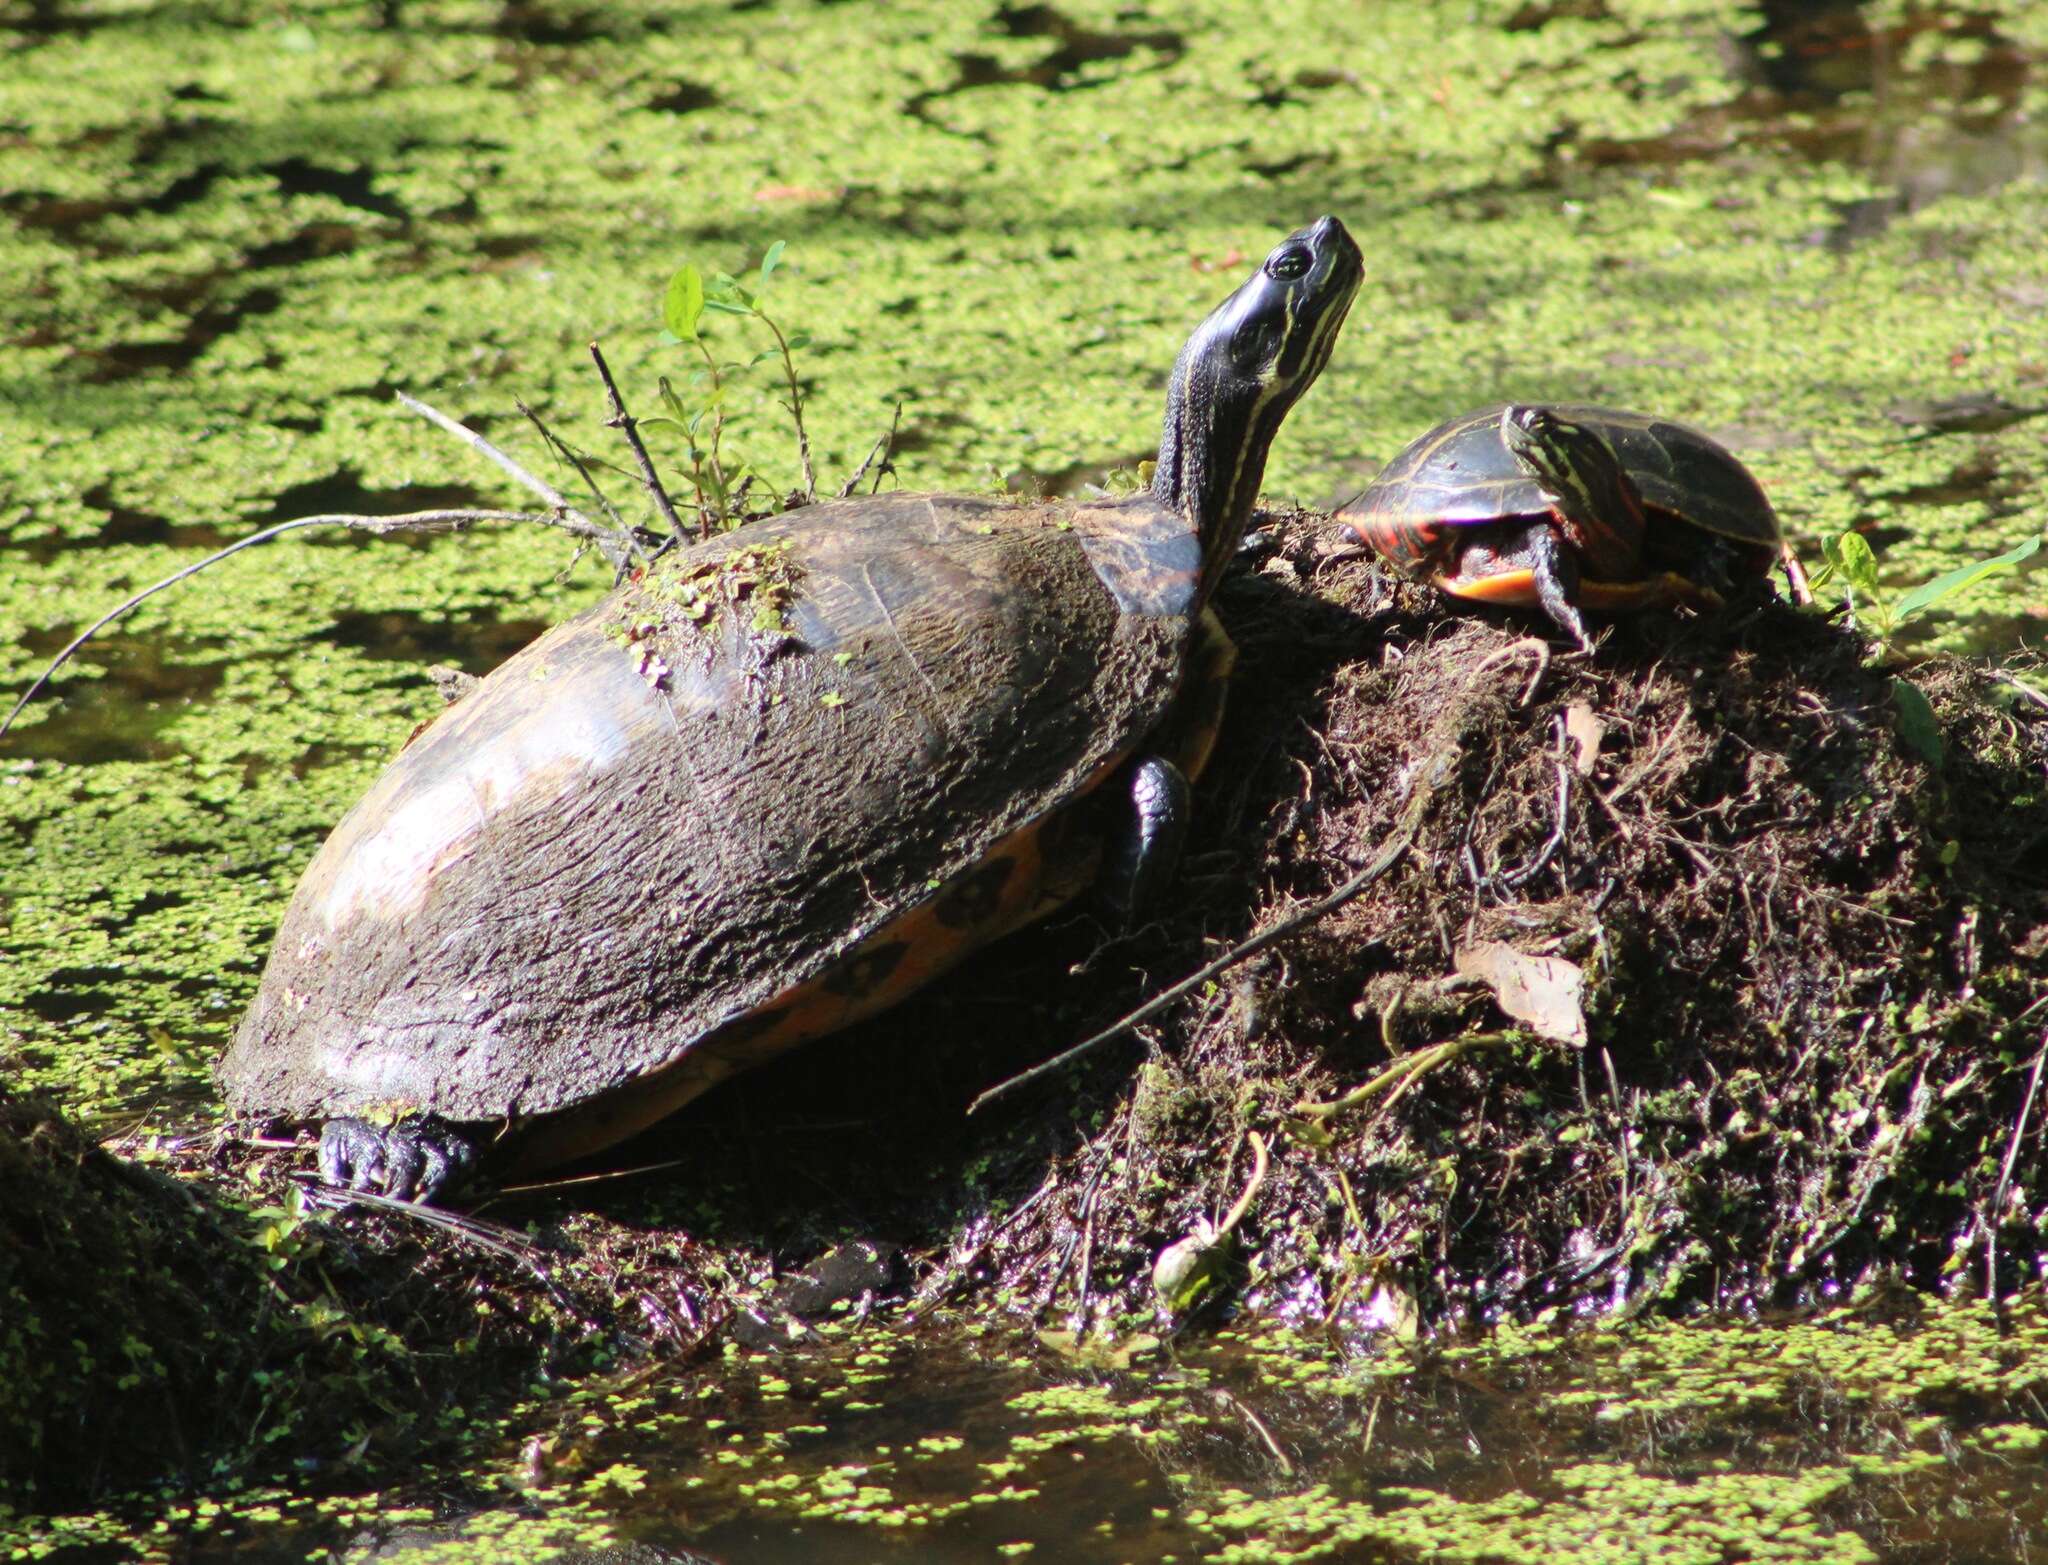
(416, 1159)
(1556, 570)
(1145, 850)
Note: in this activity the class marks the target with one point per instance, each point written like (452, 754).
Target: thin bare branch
(625, 544)
(1384, 861)
(451, 521)
(878, 451)
(569, 454)
(1995, 1214)
(622, 420)
(471, 438)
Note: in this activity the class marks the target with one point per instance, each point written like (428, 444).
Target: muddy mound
(1702, 972)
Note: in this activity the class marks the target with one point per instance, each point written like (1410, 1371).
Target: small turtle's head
(1240, 372)
(1593, 497)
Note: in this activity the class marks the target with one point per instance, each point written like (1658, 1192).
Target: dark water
(1899, 1431)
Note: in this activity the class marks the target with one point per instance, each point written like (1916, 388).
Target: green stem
(796, 409)
(713, 517)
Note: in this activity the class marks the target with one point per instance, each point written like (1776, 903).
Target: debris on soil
(1804, 1048)
(1697, 984)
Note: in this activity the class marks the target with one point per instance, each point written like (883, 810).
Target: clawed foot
(413, 1160)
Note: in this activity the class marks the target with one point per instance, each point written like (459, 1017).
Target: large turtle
(770, 789)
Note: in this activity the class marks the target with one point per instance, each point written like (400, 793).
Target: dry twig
(878, 451)
(451, 521)
(622, 420)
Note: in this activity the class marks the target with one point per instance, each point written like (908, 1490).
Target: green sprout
(717, 475)
(1852, 569)
(1881, 615)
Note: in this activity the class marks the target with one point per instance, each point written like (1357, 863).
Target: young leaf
(770, 261)
(683, 305)
(1850, 554)
(1929, 593)
(724, 292)
(1917, 726)
(799, 339)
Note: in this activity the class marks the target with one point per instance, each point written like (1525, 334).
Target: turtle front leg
(413, 1160)
(1145, 849)
(1556, 572)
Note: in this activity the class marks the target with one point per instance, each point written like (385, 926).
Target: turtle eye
(1288, 265)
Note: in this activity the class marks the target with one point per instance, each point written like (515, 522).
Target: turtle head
(1595, 501)
(1240, 372)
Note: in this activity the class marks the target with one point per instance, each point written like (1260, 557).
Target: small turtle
(1566, 508)
(788, 777)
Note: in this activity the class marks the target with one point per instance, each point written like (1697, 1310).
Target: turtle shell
(1462, 474)
(766, 790)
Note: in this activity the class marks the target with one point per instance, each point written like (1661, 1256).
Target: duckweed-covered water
(1897, 1429)
(232, 232)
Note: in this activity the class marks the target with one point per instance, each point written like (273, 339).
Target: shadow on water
(124, 525)
(1075, 48)
(474, 644)
(343, 493)
(339, 493)
(1063, 68)
(147, 681)
(1826, 82)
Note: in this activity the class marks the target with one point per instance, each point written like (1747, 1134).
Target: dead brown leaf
(1545, 992)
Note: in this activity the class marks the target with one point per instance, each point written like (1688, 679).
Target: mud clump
(159, 1330)
(111, 1339)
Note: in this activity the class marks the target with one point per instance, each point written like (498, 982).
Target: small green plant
(1852, 569)
(718, 475)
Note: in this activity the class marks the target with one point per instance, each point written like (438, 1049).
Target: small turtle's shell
(1462, 474)
(760, 794)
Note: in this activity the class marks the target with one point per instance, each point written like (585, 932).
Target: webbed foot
(414, 1160)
